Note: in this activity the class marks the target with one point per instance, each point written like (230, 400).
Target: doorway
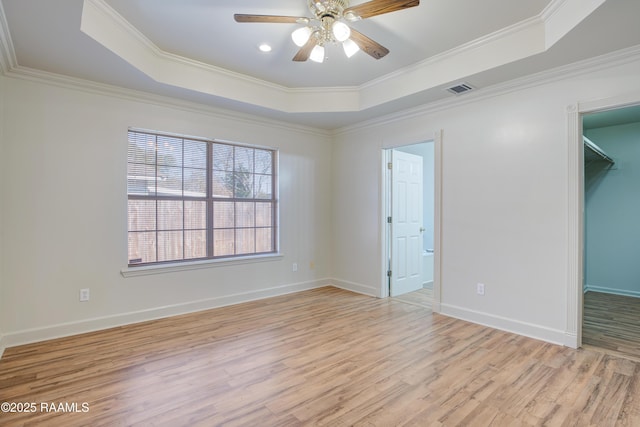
(410, 222)
(611, 302)
(575, 208)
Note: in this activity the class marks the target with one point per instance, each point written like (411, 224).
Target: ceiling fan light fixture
(329, 24)
(350, 48)
(317, 54)
(301, 36)
(341, 31)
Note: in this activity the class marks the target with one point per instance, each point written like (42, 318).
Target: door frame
(575, 228)
(384, 209)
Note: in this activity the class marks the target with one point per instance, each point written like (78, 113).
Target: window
(192, 199)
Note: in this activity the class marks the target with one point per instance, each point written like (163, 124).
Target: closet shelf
(593, 152)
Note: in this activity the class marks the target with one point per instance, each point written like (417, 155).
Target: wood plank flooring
(422, 297)
(612, 323)
(322, 357)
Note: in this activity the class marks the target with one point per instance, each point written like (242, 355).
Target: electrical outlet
(312, 265)
(84, 295)
(480, 288)
(294, 267)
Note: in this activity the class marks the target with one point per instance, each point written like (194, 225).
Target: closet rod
(593, 147)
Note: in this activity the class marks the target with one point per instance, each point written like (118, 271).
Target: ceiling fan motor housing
(333, 8)
(327, 12)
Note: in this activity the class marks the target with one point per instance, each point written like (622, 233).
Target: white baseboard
(355, 287)
(623, 292)
(571, 340)
(505, 324)
(95, 324)
(90, 325)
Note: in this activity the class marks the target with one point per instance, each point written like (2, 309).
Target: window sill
(146, 270)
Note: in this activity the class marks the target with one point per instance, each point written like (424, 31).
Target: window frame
(210, 200)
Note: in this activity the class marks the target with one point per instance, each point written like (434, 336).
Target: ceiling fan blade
(379, 7)
(305, 51)
(371, 47)
(239, 17)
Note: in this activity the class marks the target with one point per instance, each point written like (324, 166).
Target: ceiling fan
(328, 25)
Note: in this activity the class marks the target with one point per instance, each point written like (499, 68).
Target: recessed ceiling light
(264, 47)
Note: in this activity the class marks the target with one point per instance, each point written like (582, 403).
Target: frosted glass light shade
(350, 48)
(341, 31)
(301, 36)
(317, 54)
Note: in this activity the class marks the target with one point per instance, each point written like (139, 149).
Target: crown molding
(107, 27)
(8, 59)
(526, 38)
(516, 28)
(139, 38)
(576, 69)
(602, 62)
(551, 9)
(528, 35)
(507, 45)
(91, 87)
(562, 16)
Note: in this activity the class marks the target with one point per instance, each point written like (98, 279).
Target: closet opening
(611, 239)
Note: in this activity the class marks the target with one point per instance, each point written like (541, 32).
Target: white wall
(2, 192)
(504, 198)
(64, 212)
(504, 208)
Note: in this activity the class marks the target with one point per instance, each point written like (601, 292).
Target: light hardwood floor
(321, 357)
(612, 323)
(422, 297)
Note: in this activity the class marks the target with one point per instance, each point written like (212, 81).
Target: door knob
(422, 229)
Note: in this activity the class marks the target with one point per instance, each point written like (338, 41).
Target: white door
(406, 223)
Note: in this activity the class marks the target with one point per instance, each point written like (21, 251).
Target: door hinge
(389, 219)
(388, 273)
(389, 165)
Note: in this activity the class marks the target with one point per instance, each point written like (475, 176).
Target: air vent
(460, 88)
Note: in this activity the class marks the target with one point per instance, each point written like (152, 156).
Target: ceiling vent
(460, 88)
